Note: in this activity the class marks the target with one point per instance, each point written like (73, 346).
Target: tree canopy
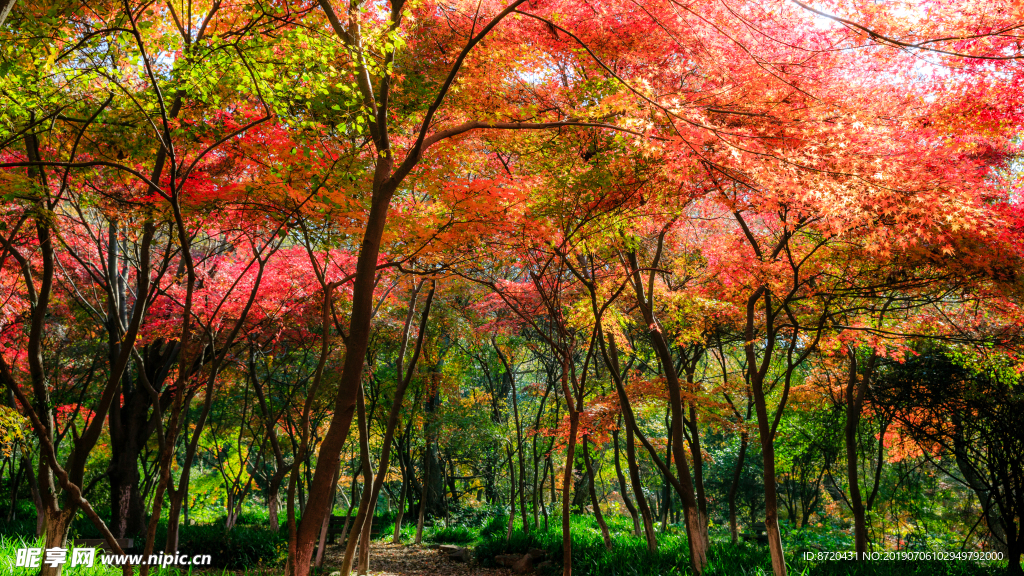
(697, 265)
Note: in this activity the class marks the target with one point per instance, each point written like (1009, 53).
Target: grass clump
(451, 535)
(629, 555)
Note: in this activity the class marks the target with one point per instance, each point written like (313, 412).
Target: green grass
(451, 535)
(245, 550)
(630, 556)
(9, 546)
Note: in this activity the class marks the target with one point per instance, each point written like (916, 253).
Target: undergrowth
(630, 557)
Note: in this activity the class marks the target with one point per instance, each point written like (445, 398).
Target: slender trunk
(427, 495)
(274, 500)
(622, 485)
(666, 490)
(543, 477)
(691, 515)
(327, 523)
(666, 505)
(593, 495)
(519, 437)
(511, 494)
(397, 537)
(356, 533)
(363, 558)
(611, 357)
(855, 389)
(37, 501)
(175, 504)
(771, 502)
(366, 507)
(734, 486)
(698, 468)
(860, 532)
(535, 493)
(538, 484)
(351, 503)
(273, 495)
(16, 484)
(570, 452)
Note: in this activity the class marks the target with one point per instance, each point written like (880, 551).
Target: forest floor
(401, 560)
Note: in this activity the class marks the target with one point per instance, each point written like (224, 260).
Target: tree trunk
(1015, 548)
(666, 491)
(771, 503)
(274, 501)
(622, 485)
(855, 389)
(519, 436)
(698, 468)
(327, 523)
(543, 477)
(125, 504)
(860, 532)
(58, 523)
(570, 452)
(735, 485)
(368, 506)
(593, 496)
(611, 357)
(397, 537)
(691, 515)
(356, 533)
(5, 10)
(175, 502)
(511, 494)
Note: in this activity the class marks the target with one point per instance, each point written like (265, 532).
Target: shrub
(241, 547)
(451, 535)
(630, 557)
(497, 525)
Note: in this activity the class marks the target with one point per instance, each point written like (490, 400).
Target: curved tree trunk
(695, 528)
(356, 533)
(611, 357)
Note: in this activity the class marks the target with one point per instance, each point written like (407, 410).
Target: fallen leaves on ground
(401, 560)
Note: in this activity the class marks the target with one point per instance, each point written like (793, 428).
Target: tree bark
(5, 10)
(570, 452)
(355, 534)
(519, 436)
(622, 485)
(593, 495)
(734, 486)
(58, 523)
(397, 537)
(322, 545)
(611, 356)
(364, 519)
(691, 514)
(855, 390)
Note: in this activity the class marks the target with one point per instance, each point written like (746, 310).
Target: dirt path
(398, 560)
